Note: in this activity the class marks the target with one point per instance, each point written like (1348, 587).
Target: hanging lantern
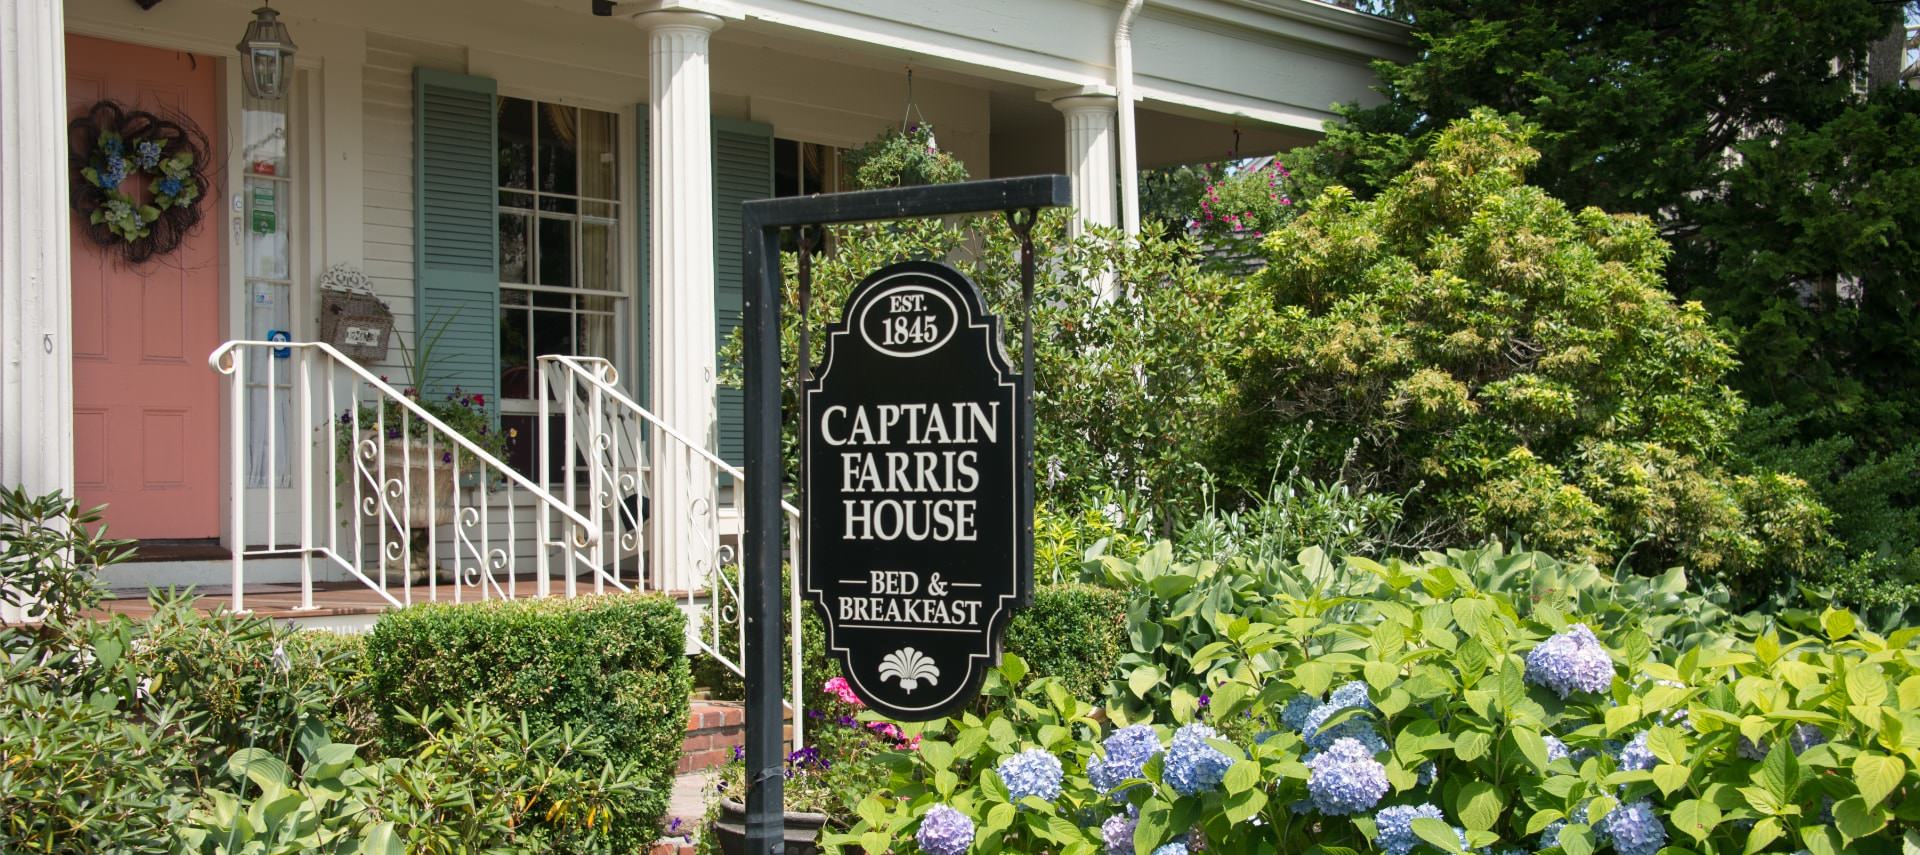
(267, 54)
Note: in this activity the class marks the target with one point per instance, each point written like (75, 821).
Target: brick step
(714, 730)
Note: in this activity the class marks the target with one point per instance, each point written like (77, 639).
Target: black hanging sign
(916, 516)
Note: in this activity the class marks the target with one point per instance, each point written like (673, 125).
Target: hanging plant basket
(138, 179)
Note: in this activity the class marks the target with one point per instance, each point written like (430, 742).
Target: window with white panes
(267, 186)
(561, 224)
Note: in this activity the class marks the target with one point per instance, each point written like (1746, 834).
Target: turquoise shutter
(742, 170)
(456, 233)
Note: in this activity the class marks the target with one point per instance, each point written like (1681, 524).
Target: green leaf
(1531, 746)
(1148, 835)
(1576, 839)
(1669, 777)
(1000, 816)
(1380, 675)
(1865, 686)
(1779, 774)
(1438, 833)
(1696, 818)
(382, 839)
(936, 753)
(1820, 840)
(1470, 614)
(1764, 833)
(1243, 806)
(1243, 775)
(1480, 806)
(1143, 679)
(1513, 686)
(261, 767)
(1668, 744)
(1471, 745)
(1877, 776)
(1314, 676)
(1856, 819)
(1837, 623)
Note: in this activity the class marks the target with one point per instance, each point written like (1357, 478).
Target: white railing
(620, 457)
(381, 490)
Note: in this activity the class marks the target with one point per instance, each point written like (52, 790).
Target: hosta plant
(1399, 708)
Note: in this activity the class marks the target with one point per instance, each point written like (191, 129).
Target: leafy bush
(480, 783)
(51, 552)
(1073, 632)
(903, 158)
(615, 666)
(1466, 332)
(1064, 542)
(1397, 706)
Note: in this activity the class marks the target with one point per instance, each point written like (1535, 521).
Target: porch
(525, 182)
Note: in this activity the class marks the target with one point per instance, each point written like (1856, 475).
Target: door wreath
(138, 179)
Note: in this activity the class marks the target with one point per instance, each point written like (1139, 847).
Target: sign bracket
(761, 224)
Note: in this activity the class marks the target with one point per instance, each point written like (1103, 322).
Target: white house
(524, 178)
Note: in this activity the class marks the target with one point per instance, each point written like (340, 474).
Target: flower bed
(1401, 707)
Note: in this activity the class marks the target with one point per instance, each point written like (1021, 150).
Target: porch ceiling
(1263, 63)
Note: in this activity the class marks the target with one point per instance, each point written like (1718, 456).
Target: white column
(680, 137)
(1090, 117)
(36, 358)
(36, 387)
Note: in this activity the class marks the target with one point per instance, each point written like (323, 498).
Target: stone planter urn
(407, 463)
(730, 830)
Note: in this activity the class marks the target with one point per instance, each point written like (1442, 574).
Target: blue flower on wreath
(116, 172)
(169, 186)
(113, 146)
(147, 154)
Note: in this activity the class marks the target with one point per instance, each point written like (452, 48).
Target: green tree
(1515, 367)
(1749, 133)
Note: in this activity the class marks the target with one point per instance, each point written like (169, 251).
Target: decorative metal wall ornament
(138, 179)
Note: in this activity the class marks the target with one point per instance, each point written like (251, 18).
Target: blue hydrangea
(1174, 848)
(1572, 661)
(1805, 736)
(1428, 773)
(1345, 779)
(114, 146)
(1635, 756)
(1192, 766)
(169, 186)
(1395, 826)
(1117, 832)
(1032, 772)
(1128, 751)
(147, 154)
(1294, 714)
(1350, 696)
(116, 172)
(1550, 836)
(1556, 750)
(1634, 829)
(944, 831)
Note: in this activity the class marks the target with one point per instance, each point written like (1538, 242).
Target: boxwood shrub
(1074, 632)
(615, 665)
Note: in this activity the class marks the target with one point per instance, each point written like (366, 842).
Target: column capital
(1080, 98)
(687, 14)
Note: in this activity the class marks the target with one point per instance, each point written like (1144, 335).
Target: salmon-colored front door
(146, 432)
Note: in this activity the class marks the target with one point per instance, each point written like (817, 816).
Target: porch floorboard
(331, 599)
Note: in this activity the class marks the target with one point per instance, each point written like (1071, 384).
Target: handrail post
(237, 500)
(539, 437)
(304, 417)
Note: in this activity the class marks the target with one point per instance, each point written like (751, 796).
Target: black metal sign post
(761, 225)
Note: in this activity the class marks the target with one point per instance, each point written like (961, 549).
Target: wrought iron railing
(670, 509)
(380, 489)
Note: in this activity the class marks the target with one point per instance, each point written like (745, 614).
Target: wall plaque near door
(914, 509)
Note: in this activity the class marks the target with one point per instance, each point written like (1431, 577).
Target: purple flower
(1345, 779)
(1556, 750)
(1395, 826)
(1634, 829)
(944, 831)
(1192, 766)
(1128, 750)
(1572, 661)
(1033, 772)
(1117, 832)
(1635, 756)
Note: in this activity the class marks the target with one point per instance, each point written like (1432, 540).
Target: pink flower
(838, 688)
